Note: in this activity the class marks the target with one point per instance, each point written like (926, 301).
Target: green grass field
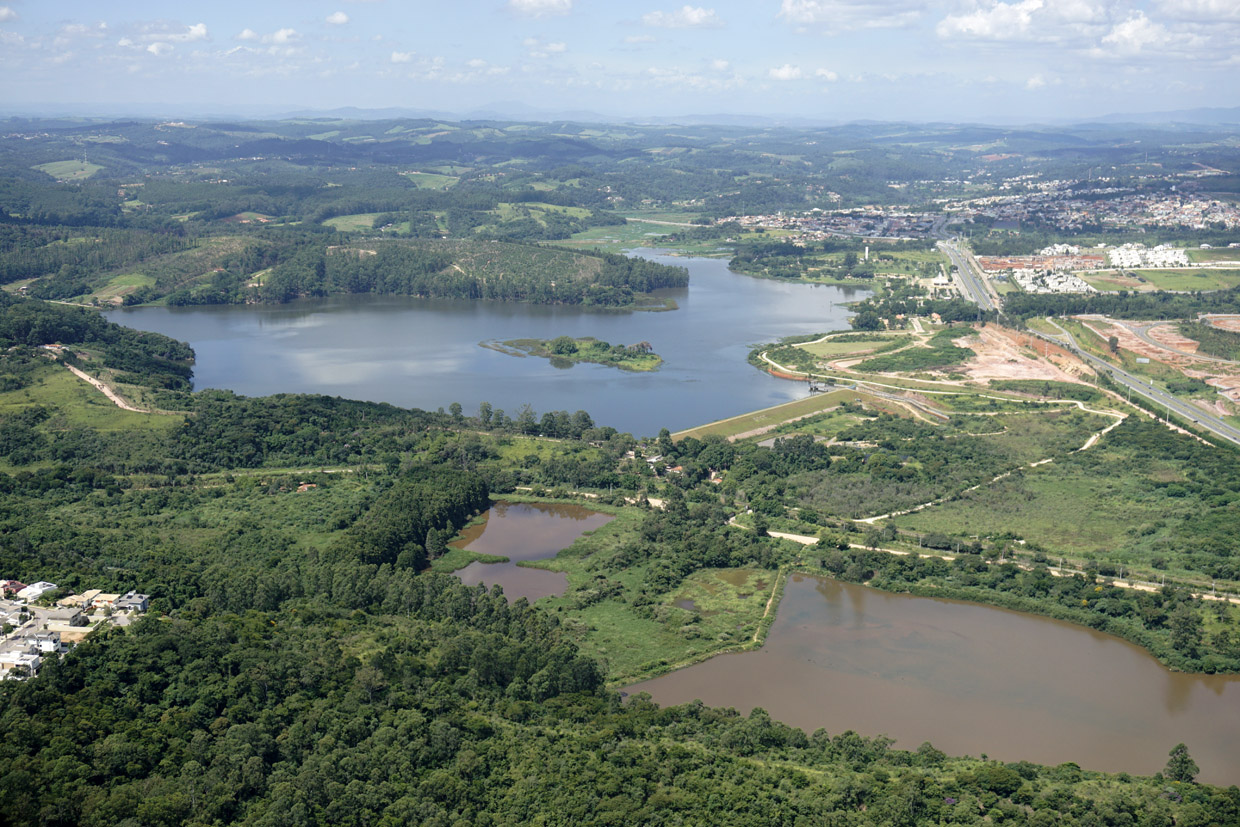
(69, 170)
(1214, 254)
(1112, 282)
(1067, 509)
(122, 285)
(431, 180)
(632, 234)
(80, 404)
(353, 223)
(507, 211)
(833, 348)
(1215, 279)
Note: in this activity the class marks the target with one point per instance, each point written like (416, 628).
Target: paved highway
(1160, 398)
(974, 282)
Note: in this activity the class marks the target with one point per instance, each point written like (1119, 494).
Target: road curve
(1215, 425)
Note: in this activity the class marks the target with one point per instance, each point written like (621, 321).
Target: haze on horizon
(945, 60)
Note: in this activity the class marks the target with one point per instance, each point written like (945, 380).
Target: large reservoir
(426, 353)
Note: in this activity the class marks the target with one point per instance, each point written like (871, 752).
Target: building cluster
(1075, 209)
(860, 223)
(1135, 256)
(33, 631)
(1079, 261)
(1041, 281)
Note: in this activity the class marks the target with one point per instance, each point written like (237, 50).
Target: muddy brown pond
(969, 679)
(523, 532)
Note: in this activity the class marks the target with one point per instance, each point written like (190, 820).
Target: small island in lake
(565, 351)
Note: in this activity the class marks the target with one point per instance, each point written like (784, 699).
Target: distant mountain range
(512, 111)
(1211, 116)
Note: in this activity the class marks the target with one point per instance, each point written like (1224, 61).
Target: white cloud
(1035, 82)
(159, 48)
(285, 38)
(402, 57)
(541, 8)
(1136, 33)
(338, 18)
(686, 17)
(1201, 11)
(149, 33)
(785, 72)
(7, 14)
(1001, 21)
(539, 49)
(70, 31)
(841, 15)
(827, 75)
(198, 31)
(720, 65)
(676, 78)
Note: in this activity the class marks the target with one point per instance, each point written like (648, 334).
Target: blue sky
(952, 60)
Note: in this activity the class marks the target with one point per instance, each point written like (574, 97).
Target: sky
(831, 60)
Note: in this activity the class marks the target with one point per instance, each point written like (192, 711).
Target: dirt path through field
(105, 390)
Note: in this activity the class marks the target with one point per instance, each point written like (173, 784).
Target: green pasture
(1204, 279)
(431, 180)
(353, 223)
(834, 348)
(79, 404)
(1214, 254)
(69, 170)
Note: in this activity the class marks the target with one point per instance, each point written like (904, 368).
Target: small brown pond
(520, 532)
(970, 679)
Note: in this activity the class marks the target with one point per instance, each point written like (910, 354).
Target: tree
(1113, 344)
(1185, 628)
(867, 320)
(484, 414)
(455, 409)
(562, 346)
(760, 524)
(1181, 766)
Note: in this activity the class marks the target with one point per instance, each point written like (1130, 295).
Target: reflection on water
(969, 679)
(425, 352)
(522, 532)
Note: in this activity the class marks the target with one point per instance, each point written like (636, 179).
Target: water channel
(425, 353)
(969, 679)
(522, 532)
